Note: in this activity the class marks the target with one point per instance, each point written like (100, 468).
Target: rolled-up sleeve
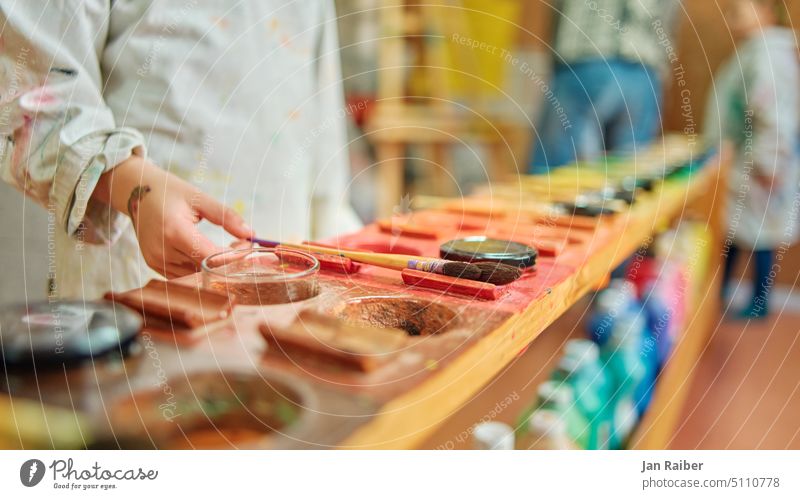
(57, 136)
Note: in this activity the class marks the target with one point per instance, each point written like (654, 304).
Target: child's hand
(165, 210)
(165, 219)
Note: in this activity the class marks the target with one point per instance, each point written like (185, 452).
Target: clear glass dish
(262, 276)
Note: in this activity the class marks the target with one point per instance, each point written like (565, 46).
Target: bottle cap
(621, 294)
(545, 422)
(582, 350)
(493, 436)
(628, 329)
(611, 299)
(555, 393)
(568, 365)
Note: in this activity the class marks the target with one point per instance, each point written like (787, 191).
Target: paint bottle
(656, 342)
(547, 430)
(618, 298)
(622, 357)
(591, 387)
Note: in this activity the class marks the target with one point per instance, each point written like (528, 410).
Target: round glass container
(262, 276)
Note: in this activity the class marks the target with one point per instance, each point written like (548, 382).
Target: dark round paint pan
(485, 249)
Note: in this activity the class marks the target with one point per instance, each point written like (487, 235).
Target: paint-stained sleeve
(57, 136)
(332, 212)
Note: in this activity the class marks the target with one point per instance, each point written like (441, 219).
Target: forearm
(122, 185)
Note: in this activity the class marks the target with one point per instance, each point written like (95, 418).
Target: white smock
(755, 104)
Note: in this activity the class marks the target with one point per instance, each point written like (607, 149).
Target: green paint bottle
(591, 386)
(622, 356)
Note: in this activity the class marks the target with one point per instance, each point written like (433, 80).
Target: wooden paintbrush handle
(388, 260)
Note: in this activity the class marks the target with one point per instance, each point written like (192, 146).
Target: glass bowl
(262, 276)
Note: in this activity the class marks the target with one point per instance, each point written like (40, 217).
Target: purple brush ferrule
(434, 266)
(264, 242)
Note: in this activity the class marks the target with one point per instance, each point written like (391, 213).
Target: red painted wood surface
(466, 287)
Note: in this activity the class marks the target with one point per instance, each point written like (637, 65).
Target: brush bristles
(498, 273)
(463, 270)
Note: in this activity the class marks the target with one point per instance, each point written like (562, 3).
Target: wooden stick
(390, 261)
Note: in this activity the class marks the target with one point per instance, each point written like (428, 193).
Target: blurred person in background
(754, 104)
(610, 59)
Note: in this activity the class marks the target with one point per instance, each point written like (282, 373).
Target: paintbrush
(391, 261)
(498, 273)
